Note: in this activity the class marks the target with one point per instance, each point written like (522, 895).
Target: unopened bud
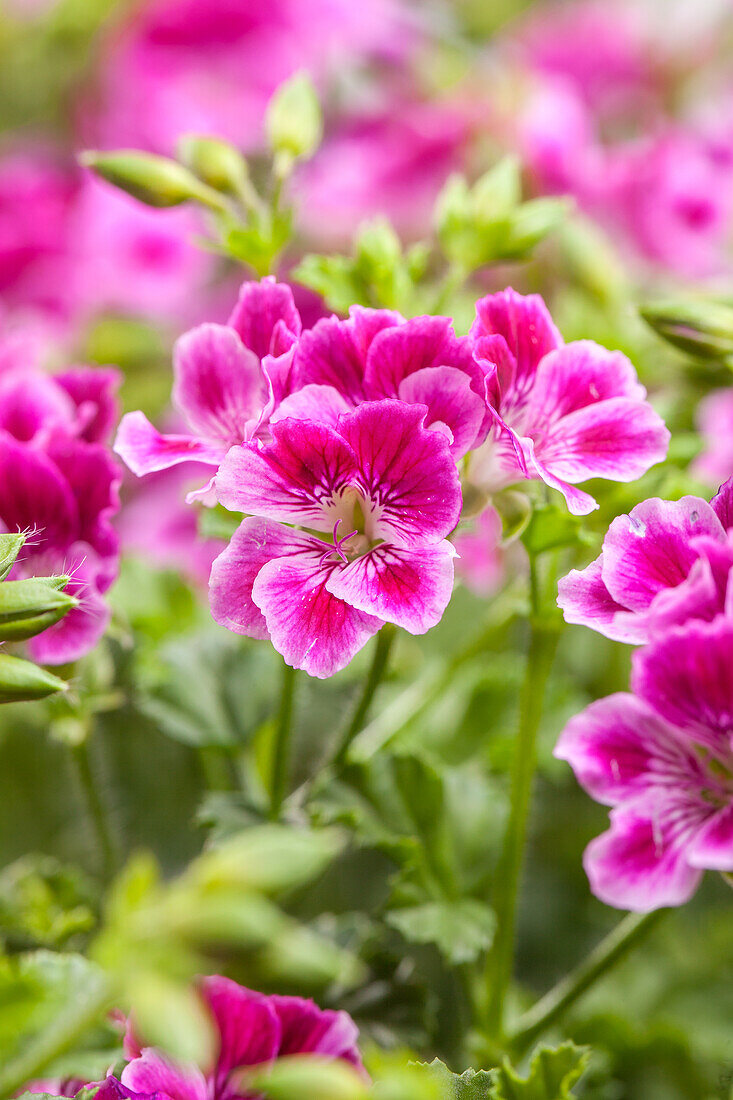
(30, 606)
(156, 181)
(293, 121)
(701, 328)
(21, 681)
(217, 163)
(10, 547)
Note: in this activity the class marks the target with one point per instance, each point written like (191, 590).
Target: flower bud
(30, 606)
(21, 681)
(216, 163)
(701, 328)
(296, 1076)
(10, 547)
(156, 181)
(293, 121)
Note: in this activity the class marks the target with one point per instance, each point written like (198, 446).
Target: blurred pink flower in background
(715, 423)
(480, 561)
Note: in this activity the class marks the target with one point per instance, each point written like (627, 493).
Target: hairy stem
(283, 735)
(542, 645)
(626, 935)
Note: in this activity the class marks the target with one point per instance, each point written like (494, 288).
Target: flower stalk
(283, 737)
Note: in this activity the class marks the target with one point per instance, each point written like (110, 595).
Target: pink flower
(665, 563)
(391, 161)
(224, 377)
(377, 494)
(564, 412)
(662, 757)
(254, 1030)
(376, 354)
(480, 560)
(210, 66)
(715, 423)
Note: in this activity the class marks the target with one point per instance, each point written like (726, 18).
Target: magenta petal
(640, 863)
(406, 470)
(408, 587)
(525, 323)
(152, 1072)
(264, 310)
(686, 677)
(584, 599)
(450, 400)
(94, 478)
(310, 627)
(248, 1025)
(578, 501)
(712, 847)
(328, 355)
(82, 627)
(416, 345)
(619, 439)
(31, 403)
(253, 544)
(619, 747)
(35, 497)
(581, 374)
(697, 597)
(722, 503)
(321, 403)
(144, 450)
(94, 392)
(368, 323)
(295, 478)
(218, 383)
(308, 1029)
(651, 548)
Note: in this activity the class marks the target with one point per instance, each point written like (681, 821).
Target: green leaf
(551, 527)
(472, 1084)
(270, 858)
(461, 930)
(552, 1074)
(297, 1076)
(334, 278)
(43, 902)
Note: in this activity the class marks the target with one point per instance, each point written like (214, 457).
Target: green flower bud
(156, 181)
(21, 681)
(701, 328)
(215, 162)
(293, 122)
(298, 1076)
(495, 194)
(30, 606)
(10, 547)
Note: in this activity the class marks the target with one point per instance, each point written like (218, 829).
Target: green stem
(385, 639)
(95, 807)
(542, 645)
(626, 935)
(281, 748)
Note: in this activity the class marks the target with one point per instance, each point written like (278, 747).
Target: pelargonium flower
(662, 757)
(376, 354)
(65, 494)
(253, 1030)
(375, 496)
(564, 412)
(224, 377)
(480, 563)
(661, 565)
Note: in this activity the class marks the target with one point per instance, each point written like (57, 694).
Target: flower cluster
(252, 1029)
(342, 443)
(661, 756)
(59, 482)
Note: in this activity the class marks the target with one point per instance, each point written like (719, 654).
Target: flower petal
(450, 400)
(313, 402)
(416, 345)
(94, 392)
(254, 543)
(585, 600)
(32, 403)
(640, 863)
(298, 477)
(525, 323)
(310, 627)
(94, 478)
(152, 1072)
(406, 471)
(249, 1027)
(577, 375)
(408, 587)
(328, 355)
(218, 385)
(619, 747)
(263, 315)
(308, 1029)
(722, 503)
(82, 627)
(36, 497)
(651, 548)
(712, 847)
(144, 450)
(686, 677)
